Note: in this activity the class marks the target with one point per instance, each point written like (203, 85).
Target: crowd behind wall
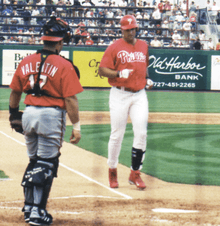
(96, 22)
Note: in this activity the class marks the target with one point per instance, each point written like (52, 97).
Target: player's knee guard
(41, 172)
(137, 158)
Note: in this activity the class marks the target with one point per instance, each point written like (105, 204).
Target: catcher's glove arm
(15, 119)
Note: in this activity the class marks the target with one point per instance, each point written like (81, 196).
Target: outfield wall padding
(170, 69)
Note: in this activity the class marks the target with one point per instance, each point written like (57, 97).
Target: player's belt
(126, 89)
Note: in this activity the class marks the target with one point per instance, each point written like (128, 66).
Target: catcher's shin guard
(28, 187)
(42, 179)
(137, 159)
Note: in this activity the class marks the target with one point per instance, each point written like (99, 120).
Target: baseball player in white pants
(125, 64)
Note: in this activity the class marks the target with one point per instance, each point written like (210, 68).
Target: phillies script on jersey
(122, 55)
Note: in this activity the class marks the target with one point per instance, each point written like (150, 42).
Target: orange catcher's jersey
(122, 55)
(58, 79)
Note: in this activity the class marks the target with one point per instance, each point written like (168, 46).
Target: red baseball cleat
(113, 182)
(136, 179)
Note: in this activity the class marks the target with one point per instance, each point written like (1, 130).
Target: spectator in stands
(218, 45)
(84, 35)
(193, 20)
(138, 15)
(41, 4)
(192, 38)
(101, 43)
(218, 18)
(31, 40)
(165, 25)
(119, 15)
(146, 18)
(80, 42)
(176, 8)
(179, 17)
(6, 11)
(26, 17)
(49, 7)
(89, 41)
(197, 44)
(156, 15)
(208, 5)
(77, 34)
(15, 18)
(35, 12)
(185, 18)
(131, 4)
(215, 10)
(84, 4)
(109, 13)
(68, 8)
(123, 3)
(192, 7)
(202, 38)
(114, 6)
(183, 7)
(155, 42)
(168, 8)
(41, 18)
(178, 27)
(210, 44)
(171, 20)
(82, 25)
(161, 7)
(91, 24)
(176, 38)
(187, 28)
(60, 10)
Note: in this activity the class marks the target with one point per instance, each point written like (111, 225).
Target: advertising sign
(11, 59)
(215, 72)
(172, 71)
(88, 64)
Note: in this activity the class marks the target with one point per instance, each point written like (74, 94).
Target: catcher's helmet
(55, 30)
(128, 22)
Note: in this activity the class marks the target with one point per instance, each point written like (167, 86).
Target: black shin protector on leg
(28, 187)
(42, 179)
(41, 194)
(137, 158)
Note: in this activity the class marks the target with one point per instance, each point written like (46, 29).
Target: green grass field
(177, 153)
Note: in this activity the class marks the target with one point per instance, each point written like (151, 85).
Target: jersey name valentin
(47, 68)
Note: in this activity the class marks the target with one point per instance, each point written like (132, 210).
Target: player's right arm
(107, 72)
(73, 113)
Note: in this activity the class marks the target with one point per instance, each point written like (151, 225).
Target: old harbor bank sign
(183, 71)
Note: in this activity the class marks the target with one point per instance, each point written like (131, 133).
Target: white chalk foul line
(167, 210)
(76, 172)
(62, 212)
(12, 138)
(96, 182)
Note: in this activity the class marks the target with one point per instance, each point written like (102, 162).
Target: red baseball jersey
(122, 55)
(58, 79)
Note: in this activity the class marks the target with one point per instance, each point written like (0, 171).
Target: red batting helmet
(128, 22)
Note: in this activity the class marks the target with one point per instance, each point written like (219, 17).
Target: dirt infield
(81, 195)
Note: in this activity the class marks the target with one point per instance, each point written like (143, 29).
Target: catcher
(51, 83)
